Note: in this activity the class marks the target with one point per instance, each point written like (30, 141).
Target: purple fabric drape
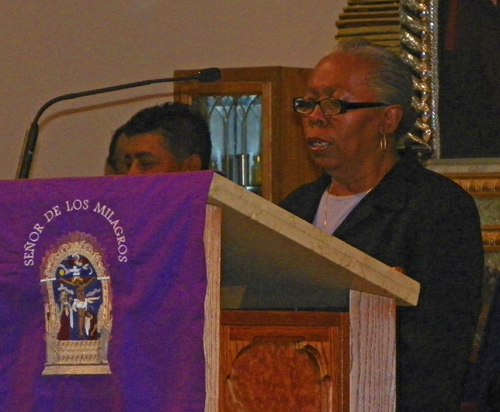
(156, 346)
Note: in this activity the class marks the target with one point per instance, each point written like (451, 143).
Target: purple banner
(145, 261)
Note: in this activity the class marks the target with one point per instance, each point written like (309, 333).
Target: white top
(332, 210)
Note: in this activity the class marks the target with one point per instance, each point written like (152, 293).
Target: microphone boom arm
(205, 76)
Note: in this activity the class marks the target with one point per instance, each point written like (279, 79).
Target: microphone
(209, 75)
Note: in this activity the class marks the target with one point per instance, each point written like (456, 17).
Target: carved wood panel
(284, 361)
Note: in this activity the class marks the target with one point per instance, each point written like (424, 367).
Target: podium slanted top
(263, 244)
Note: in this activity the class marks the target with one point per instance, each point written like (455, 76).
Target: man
(172, 137)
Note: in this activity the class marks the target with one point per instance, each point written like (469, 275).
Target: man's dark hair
(183, 127)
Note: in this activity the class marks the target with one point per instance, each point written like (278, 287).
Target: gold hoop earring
(383, 143)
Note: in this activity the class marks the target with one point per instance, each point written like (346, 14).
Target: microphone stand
(23, 170)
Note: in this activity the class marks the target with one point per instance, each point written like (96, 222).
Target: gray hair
(391, 78)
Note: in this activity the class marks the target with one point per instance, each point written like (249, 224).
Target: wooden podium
(296, 320)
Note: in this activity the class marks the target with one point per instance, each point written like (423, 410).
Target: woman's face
(343, 144)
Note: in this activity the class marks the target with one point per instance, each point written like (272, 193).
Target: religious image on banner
(77, 289)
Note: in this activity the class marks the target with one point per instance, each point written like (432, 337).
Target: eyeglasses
(329, 106)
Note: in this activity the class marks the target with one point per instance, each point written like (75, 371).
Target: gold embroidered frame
(87, 354)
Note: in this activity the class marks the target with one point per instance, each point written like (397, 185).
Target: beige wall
(50, 48)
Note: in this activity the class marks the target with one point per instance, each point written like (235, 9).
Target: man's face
(147, 154)
(337, 143)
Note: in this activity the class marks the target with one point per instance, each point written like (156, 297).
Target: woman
(357, 105)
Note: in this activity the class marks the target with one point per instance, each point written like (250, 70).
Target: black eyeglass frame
(344, 106)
